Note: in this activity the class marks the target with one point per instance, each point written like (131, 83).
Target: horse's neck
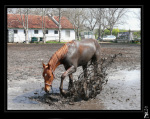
(55, 60)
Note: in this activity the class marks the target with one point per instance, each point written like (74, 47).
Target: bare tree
(43, 25)
(44, 12)
(22, 18)
(41, 12)
(101, 21)
(36, 11)
(138, 16)
(59, 26)
(113, 17)
(76, 17)
(91, 18)
(25, 22)
(58, 11)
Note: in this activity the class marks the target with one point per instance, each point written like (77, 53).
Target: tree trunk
(59, 33)
(99, 32)
(27, 41)
(44, 38)
(77, 33)
(26, 36)
(58, 24)
(59, 27)
(110, 31)
(43, 25)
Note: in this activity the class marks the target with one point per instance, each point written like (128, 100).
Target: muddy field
(25, 82)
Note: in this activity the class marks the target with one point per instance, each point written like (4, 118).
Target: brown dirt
(25, 81)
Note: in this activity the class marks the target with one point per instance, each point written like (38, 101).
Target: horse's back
(90, 44)
(80, 52)
(87, 41)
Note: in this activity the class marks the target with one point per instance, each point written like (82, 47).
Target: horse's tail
(98, 50)
(97, 44)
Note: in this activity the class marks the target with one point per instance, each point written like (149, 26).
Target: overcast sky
(132, 22)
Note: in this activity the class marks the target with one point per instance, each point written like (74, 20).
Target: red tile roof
(35, 21)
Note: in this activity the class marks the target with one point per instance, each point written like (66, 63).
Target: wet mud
(117, 86)
(90, 86)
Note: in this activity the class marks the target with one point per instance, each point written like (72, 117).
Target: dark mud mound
(84, 88)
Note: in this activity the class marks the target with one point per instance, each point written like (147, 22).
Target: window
(35, 31)
(55, 32)
(46, 31)
(15, 31)
(89, 33)
(67, 33)
(85, 33)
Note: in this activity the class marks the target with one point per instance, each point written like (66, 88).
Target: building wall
(64, 36)
(89, 36)
(20, 36)
(10, 35)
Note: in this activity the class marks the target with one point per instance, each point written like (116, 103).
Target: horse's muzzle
(47, 91)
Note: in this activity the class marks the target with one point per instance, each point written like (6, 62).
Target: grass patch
(54, 42)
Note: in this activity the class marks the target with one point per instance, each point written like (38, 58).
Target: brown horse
(72, 55)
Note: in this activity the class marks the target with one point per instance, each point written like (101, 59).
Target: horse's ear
(43, 65)
(49, 66)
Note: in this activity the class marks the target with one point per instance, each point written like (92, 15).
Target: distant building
(16, 32)
(125, 36)
(87, 34)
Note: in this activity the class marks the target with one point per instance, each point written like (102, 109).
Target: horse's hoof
(63, 92)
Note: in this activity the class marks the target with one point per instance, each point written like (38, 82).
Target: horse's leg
(69, 71)
(96, 62)
(85, 70)
(86, 82)
(70, 78)
(70, 81)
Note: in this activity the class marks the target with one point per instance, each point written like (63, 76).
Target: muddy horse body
(78, 53)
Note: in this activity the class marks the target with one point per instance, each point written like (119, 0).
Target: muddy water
(122, 92)
(24, 83)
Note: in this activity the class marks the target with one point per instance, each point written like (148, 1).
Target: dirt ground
(25, 81)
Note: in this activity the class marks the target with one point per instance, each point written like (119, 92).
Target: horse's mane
(59, 54)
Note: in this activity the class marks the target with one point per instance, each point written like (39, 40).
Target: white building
(87, 34)
(16, 32)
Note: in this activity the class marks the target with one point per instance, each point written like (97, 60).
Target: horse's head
(48, 77)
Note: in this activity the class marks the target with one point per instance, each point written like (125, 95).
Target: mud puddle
(24, 83)
(122, 92)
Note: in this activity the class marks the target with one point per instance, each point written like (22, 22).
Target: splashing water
(86, 88)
